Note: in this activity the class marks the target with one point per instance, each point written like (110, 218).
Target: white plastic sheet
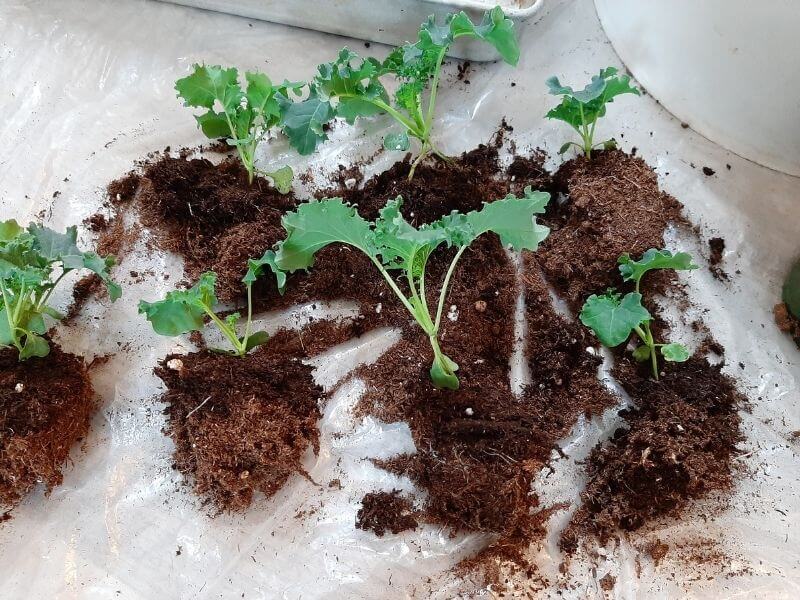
(87, 90)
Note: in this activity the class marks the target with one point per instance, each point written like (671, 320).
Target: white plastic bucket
(728, 68)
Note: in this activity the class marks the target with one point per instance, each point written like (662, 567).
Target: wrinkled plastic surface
(87, 90)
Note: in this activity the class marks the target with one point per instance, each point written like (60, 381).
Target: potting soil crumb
(385, 511)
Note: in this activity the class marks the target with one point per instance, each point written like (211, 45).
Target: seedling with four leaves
(351, 87)
(183, 311)
(29, 259)
(613, 317)
(393, 244)
(244, 117)
(581, 109)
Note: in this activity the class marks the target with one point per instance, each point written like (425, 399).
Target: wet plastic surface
(88, 90)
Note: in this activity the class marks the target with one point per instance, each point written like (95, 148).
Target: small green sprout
(582, 109)
(183, 311)
(351, 87)
(393, 244)
(28, 259)
(245, 117)
(613, 317)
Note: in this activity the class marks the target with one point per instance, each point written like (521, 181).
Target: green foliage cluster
(614, 317)
(351, 87)
(581, 109)
(33, 261)
(348, 87)
(243, 116)
(182, 311)
(394, 245)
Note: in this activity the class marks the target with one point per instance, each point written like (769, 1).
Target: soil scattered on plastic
(385, 511)
(678, 444)
(46, 405)
(478, 449)
(241, 425)
(716, 246)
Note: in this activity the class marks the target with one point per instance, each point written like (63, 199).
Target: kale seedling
(350, 87)
(582, 109)
(613, 317)
(28, 259)
(393, 244)
(245, 116)
(183, 311)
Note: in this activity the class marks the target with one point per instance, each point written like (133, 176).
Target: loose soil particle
(46, 405)
(385, 511)
(607, 582)
(241, 425)
(716, 246)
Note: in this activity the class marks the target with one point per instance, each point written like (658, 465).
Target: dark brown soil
(461, 437)
(716, 246)
(472, 179)
(241, 425)
(479, 449)
(85, 288)
(678, 444)
(41, 422)
(386, 511)
(206, 213)
(614, 206)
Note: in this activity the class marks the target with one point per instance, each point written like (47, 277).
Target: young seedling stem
(350, 87)
(613, 317)
(183, 311)
(581, 109)
(393, 244)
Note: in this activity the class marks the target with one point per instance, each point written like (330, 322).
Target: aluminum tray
(386, 21)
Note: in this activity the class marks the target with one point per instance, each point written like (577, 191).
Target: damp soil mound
(46, 405)
(475, 177)
(241, 425)
(612, 205)
(677, 445)
(385, 511)
(480, 448)
(205, 212)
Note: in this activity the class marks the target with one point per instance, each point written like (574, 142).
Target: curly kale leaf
(28, 259)
(243, 116)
